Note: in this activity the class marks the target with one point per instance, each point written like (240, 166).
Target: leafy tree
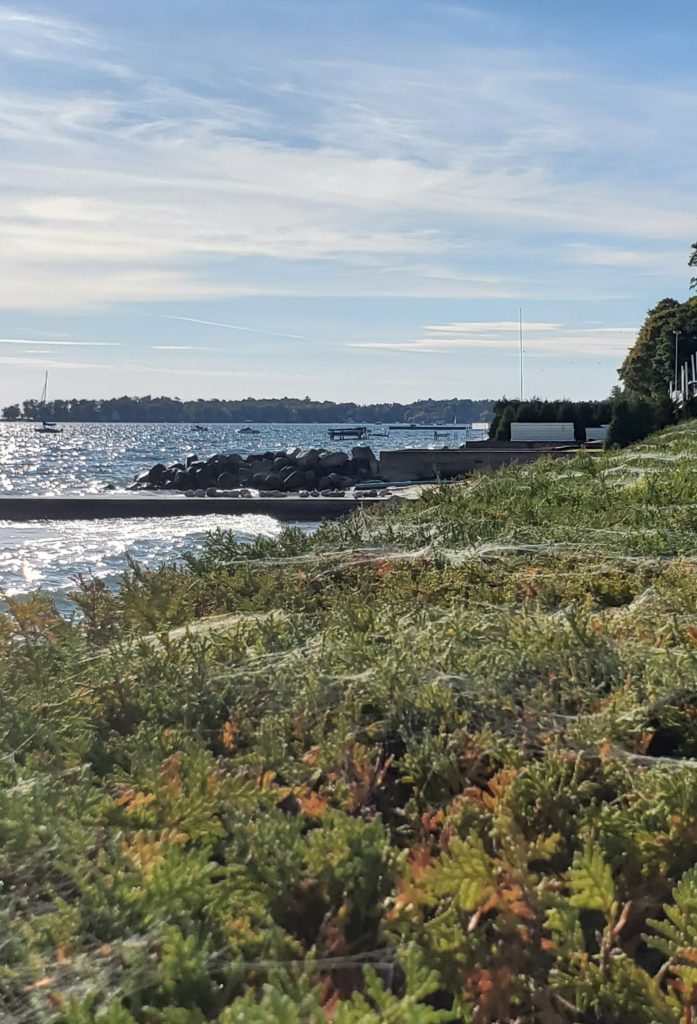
(649, 367)
(692, 262)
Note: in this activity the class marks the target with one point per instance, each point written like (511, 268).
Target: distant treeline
(248, 410)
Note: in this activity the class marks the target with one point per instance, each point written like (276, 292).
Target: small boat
(197, 426)
(248, 430)
(47, 427)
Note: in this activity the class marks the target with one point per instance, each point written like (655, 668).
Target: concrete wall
(430, 464)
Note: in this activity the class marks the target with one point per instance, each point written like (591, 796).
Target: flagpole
(520, 315)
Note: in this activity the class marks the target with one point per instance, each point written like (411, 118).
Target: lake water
(89, 458)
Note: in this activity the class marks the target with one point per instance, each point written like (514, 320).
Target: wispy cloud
(150, 191)
(185, 348)
(232, 327)
(60, 344)
(538, 339)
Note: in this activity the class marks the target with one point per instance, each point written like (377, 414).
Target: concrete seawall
(116, 506)
(429, 463)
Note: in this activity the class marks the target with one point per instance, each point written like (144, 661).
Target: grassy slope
(452, 740)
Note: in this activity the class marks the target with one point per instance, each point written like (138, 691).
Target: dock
(444, 427)
(292, 509)
(344, 433)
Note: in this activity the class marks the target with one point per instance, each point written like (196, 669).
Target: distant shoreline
(251, 410)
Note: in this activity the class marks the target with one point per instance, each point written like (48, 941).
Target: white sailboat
(47, 427)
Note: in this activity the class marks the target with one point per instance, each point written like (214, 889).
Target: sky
(351, 200)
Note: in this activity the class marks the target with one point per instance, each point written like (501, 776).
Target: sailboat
(47, 427)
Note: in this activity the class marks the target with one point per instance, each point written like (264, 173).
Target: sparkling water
(90, 458)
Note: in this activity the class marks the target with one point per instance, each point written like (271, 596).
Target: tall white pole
(520, 319)
(677, 335)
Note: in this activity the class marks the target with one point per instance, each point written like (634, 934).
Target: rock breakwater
(294, 470)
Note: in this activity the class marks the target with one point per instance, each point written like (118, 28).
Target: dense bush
(436, 763)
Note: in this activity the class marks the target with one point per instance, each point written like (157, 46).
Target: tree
(692, 262)
(649, 366)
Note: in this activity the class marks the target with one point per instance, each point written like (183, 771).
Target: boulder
(182, 481)
(332, 460)
(294, 481)
(157, 473)
(307, 458)
(227, 480)
(341, 482)
(324, 484)
(362, 453)
(190, 459)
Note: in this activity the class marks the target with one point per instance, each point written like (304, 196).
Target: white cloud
(538, 339)
(152, 192)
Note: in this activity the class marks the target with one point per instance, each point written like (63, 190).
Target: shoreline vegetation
(432, 764)
(147, 409)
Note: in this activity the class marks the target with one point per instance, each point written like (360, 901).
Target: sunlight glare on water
(49, 555)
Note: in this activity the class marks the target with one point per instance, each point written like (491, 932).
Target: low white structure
(542, 431)
(597, 433)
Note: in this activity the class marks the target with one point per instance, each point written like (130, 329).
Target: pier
(345, 433)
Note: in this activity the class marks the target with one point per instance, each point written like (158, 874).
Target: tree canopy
(649, 366)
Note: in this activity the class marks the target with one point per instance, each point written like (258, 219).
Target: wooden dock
(20, 508)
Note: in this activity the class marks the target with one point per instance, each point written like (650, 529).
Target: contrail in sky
(232, 327)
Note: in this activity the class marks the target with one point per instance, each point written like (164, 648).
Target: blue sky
(347, 199)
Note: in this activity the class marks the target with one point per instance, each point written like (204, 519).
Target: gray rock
(226, 480)
(303, 494)
(211, 492)
(362, 453)
(332, 460)
(245, 493)
(190, 459)
(314, 494)
(308, 458)
(324, 484)
(182, 480)
(342, 482)
(200, 493)
(294, 481)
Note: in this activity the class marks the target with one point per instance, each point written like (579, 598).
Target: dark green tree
(649, 367)
(692, 262)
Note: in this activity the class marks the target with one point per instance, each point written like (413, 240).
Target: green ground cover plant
(433, 764)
